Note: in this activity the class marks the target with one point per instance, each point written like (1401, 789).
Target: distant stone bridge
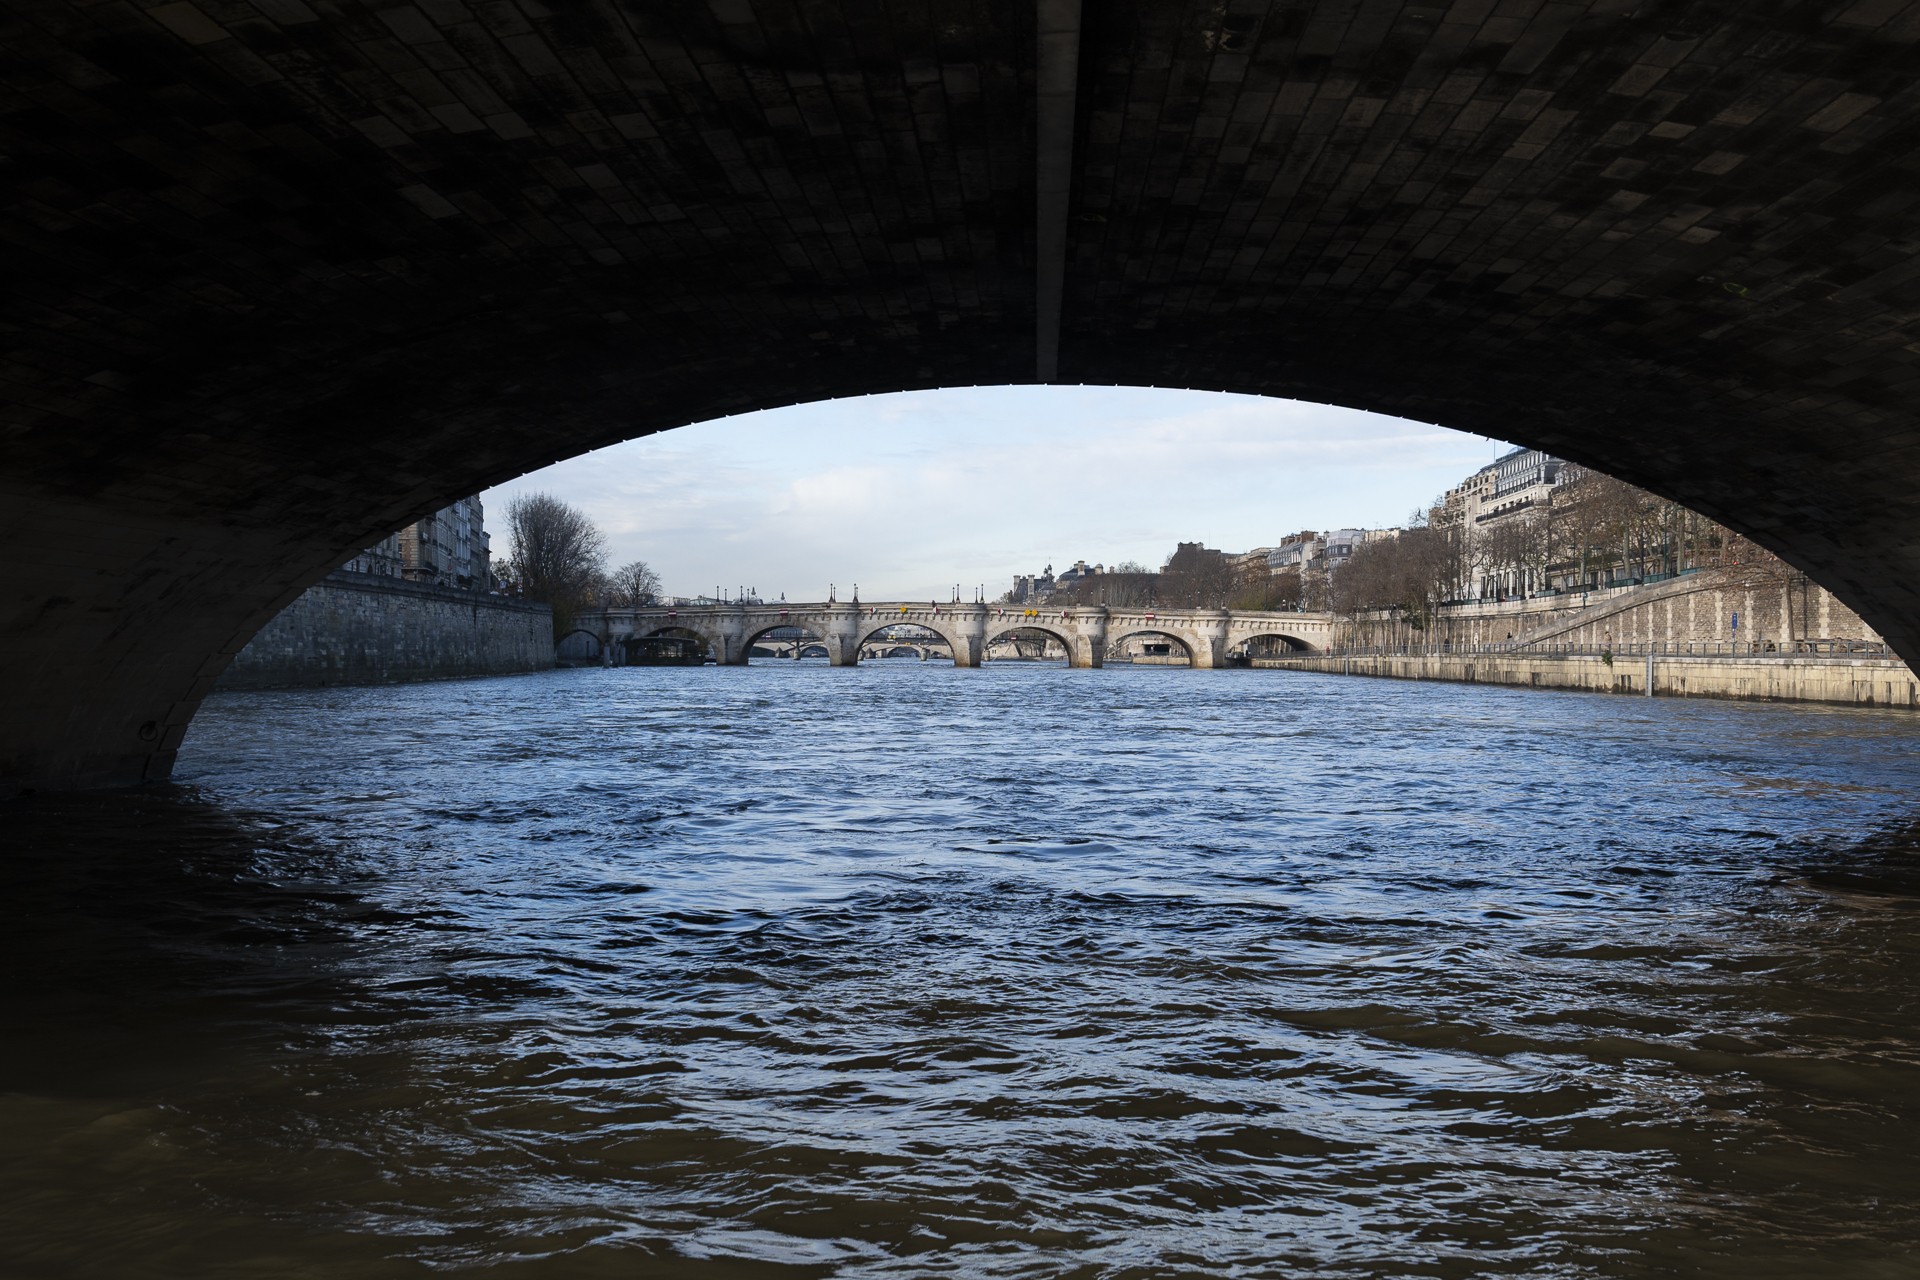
(881, 647)
(844, 628)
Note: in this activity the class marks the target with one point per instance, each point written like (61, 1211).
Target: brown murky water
(908, 971)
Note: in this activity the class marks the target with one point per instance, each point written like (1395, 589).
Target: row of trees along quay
(1592, 531)
(557, 556)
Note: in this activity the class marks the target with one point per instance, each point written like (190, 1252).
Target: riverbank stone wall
(353, 628)
(1699, 608)
(1875, 682)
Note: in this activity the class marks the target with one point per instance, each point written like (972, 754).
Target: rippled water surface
(909, 971)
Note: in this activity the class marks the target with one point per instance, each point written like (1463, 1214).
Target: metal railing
(1744, 649)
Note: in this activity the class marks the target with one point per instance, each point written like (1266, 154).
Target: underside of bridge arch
(1009, 631)
(806, 636)
(685, 633)
(1116, 640)
(283, 277)
(877, 638)
(1278, 640)
(1118, 636)
(578, 644)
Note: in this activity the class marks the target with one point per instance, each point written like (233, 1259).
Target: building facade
(1031, 588)
(1338, 546)
(450, 548)
(1493, 512)
(1079, 573)
(1317, 556)
(1298, 552)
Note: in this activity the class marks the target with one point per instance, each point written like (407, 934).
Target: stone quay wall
(1880, 682)
(355, 628)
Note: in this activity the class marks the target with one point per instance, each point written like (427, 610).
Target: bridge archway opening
(904, 633)
(1270, 644)
(684, 633)
(578, 648)
(785, 640)
(902, 640)
(1026, 643)
(1150, 648)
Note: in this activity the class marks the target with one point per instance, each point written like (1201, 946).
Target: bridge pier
(1087, 638)
(969, 635)
(841, 632)
(730, 637)
(1210, 634)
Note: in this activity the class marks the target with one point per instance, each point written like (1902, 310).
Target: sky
(910, 495)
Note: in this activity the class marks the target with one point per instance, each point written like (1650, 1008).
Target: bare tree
(1607, 526)
(633, 585)
(1410, 576)
(1127, 586)
(557, 554)
(1450, 566)
(1273, 591)
(1590, 514)
(1508, 551)
(1130, 587)
(1536, 544)
(1197, 577)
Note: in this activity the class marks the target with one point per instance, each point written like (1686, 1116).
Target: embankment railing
(1743, 649)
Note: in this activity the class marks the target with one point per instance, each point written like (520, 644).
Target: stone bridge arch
(943, 628)
(347, 289)
(756, 635)
(1052, 631)
(679, 629)
(1081, 629)
(1246, 640)
(581, 645)
(1189, 643)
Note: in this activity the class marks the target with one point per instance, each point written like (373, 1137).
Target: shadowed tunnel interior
(286, 275)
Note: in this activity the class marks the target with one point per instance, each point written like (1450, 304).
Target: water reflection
(1884, 863)
(1011, 972)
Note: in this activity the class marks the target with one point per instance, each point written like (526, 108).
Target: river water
(911, 971)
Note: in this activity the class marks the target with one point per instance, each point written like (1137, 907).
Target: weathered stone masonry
(1877, 682)
(1695, 609)
(356, 628)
